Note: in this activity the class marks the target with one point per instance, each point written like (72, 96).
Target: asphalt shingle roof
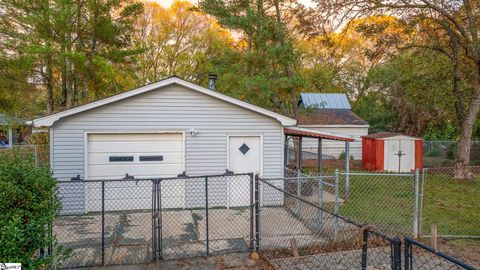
(329, 117)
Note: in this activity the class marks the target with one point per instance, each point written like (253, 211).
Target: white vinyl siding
(335, 148)
(172, 108)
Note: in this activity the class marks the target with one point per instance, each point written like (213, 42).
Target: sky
(168, 3)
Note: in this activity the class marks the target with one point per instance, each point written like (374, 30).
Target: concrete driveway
(128, 235)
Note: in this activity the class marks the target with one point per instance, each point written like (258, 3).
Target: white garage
(164, 129)
(138, 155)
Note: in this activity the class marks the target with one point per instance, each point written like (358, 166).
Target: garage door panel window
(104, 158)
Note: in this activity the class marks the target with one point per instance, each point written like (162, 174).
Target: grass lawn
(385, 201)
(451, 205)
(388, 202)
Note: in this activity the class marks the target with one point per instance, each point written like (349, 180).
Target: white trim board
(49, 120)
(335, 126)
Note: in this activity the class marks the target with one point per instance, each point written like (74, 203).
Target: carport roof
(49, 120)
(311, 133)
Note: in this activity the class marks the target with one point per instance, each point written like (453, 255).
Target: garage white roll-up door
(114, 155)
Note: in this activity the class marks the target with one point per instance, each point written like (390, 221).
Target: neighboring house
(10, 129)
(331, 113)
(161, 130)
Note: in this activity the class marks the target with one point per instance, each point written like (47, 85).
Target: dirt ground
(464, 249)
(231, 261)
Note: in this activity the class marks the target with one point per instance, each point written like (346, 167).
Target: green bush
(434, 152)
(27, 208)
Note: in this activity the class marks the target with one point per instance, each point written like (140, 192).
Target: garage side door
(112, 156)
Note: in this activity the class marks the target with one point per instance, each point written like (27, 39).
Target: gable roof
(384, 135)
(329, 117)
(49, 120)
(325, 100)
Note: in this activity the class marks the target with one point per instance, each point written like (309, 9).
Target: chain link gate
(215, 216)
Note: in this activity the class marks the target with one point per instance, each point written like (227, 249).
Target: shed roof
(330, 117)
(325, 100)
(384, 135)
(311, 133)
(49, 120)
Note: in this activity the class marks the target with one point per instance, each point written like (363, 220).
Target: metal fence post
(206, 214)
(299, 192)
(336, 200)
(320, 203)
(396, 253)
(159, 219)
(415, 207)
(364, 249)
(422, 195)
(257, 213)
(103, 222)
(347, 170)
(252, 205)
(154, 220)
(408, 254)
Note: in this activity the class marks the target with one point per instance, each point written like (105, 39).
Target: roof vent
(212, 79)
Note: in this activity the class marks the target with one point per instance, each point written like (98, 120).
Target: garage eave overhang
(49, 120)
(311, 133)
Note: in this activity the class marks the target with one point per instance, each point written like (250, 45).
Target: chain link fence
(388, 200)
(39, 153)
(421, 256)
(316, 237)
(131, 221)
(452, 205)
(442, 153)
(295, 233)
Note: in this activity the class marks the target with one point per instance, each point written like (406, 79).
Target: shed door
(399, 155)
(244, 157)
(112, 156)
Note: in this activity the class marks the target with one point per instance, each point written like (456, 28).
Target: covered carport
(300, 133)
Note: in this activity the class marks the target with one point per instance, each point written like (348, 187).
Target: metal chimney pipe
(212, 79)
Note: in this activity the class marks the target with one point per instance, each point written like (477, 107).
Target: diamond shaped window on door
(244, 148)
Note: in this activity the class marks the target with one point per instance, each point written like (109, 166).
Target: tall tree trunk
(465, 141)
(49, 78)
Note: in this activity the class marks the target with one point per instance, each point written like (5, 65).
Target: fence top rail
(311, 204)
(302, 179)
(449, 168)
(440, 254)
(378, 174)
(155, 178)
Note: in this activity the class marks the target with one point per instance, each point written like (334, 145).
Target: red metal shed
(388, 151)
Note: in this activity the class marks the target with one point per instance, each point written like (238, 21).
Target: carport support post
(206, 214)
(285, 152)
(299, 175)
(103, 222)
(347, 169)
